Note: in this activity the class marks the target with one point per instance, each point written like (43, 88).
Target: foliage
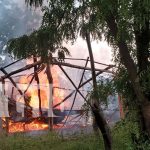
(123, 86)
(47, 39)
(145, 81)
(124, 130)
(127, 131)
(75, 17)
(121, 22)
(40, 44)
(138, 139)
(66, 20)
(35, 3)
(105, 88)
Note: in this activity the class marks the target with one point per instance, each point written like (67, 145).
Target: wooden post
(6, 117)
(7, 125)
(50, 81)
(38, 85)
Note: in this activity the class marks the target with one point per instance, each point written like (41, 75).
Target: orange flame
(32, 92)
(21, 127)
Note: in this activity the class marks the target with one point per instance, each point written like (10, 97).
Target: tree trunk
(142, 37)
(142, 101)
(98, 115)
(142, 44)
(50, 81)
(103, 127)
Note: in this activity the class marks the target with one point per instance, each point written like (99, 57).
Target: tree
(124, 24)
(56, 27)
(70, 26)
(123, 20)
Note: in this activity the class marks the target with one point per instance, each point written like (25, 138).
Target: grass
(49, 142)
(53, 142)
(121, 134)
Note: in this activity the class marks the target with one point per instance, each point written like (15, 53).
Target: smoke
(101, 52)
(17, 19)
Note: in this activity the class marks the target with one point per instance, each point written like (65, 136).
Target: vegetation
(126, 27)
(121, 141)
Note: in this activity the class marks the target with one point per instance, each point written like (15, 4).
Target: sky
(101, 50)
(24, 20)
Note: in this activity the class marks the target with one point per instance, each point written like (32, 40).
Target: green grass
(49, 142)
(53, 142)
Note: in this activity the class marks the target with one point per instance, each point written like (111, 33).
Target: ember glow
(22, 127)
(36, 125)
(32, 92)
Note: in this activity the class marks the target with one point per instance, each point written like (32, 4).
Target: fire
(32, 92)
(22, 127)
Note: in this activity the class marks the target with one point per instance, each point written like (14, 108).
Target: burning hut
(28, 102)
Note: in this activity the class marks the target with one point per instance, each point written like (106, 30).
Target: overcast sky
(101, 50)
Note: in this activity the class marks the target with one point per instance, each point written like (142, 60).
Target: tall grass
(49, 142)
(121, 141)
